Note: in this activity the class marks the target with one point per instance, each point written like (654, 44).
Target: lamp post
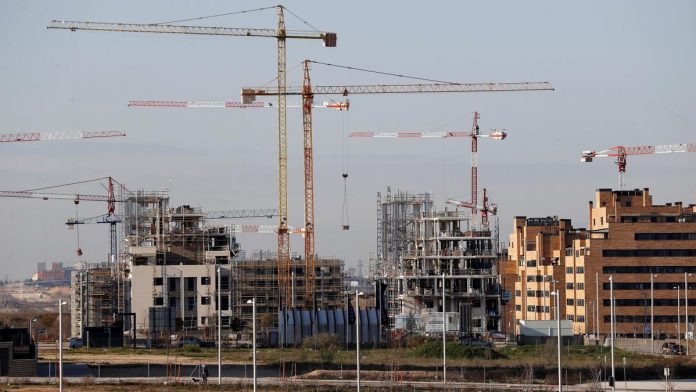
(555, 293)
(686, 311)
(678, 317)
(219, 328)
(612, 381)
(60, 343)
(357, 337)
(36, 346)
(31, 319)
(652, 316)
(253, 332)
(444, 334)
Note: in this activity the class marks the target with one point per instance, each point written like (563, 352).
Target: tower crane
(109, 217)
(474, 135)
(307, 92)
(280, 34)
(337, 105)
(621, 152)
(44, 136)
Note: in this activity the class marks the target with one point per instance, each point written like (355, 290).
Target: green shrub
(326, 343)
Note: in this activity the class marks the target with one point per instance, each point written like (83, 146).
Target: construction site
(251, 220)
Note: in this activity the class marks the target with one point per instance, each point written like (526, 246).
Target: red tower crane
(474, 135)
(621, 152)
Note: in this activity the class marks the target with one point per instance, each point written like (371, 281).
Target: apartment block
(539, 248)
(649, 251)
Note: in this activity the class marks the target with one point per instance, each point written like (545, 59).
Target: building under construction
(256, 276)
(418, 245)
(94, 297)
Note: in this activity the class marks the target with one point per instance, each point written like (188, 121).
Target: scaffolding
(256, 277)
(93, 297)
(418, 244)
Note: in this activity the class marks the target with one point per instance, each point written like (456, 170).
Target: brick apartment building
(632, 239)
(538, 248)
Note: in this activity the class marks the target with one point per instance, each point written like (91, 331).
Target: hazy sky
(623, 73)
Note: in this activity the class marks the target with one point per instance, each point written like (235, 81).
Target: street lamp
(253, 331)
(60, 343)
(686, 311)
(678, 317)
(652, 314)
(444, 334)
(219, 328)
(558, 321)
(357, 337)
(612, 381)
(36, 346)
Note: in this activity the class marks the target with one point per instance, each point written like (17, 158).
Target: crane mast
(621, 152)
(310, 272)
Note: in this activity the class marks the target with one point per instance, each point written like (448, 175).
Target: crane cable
(345, 220)
(77, 228)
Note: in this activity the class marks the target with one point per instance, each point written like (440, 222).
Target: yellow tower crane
(281, 34)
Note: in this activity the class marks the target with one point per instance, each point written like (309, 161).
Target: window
(204, 321)
(571, 317)
(518, 293)
(172, 302)
(190, 303)
(158, 301)
(580, 319)
(580, 286)
(224, 283)
(205, 300)
(569, 286)
(665, 236)
(190, 284)
(580, 270)
(518, 308)
(158, 281)
(205, 280)
(647, 269)
(531, 263)
(530, 308)
(531, 246)
(581, 302)
(649, 252)
(172, 284)
(569, 270)
(646, 286)
(569, 302)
